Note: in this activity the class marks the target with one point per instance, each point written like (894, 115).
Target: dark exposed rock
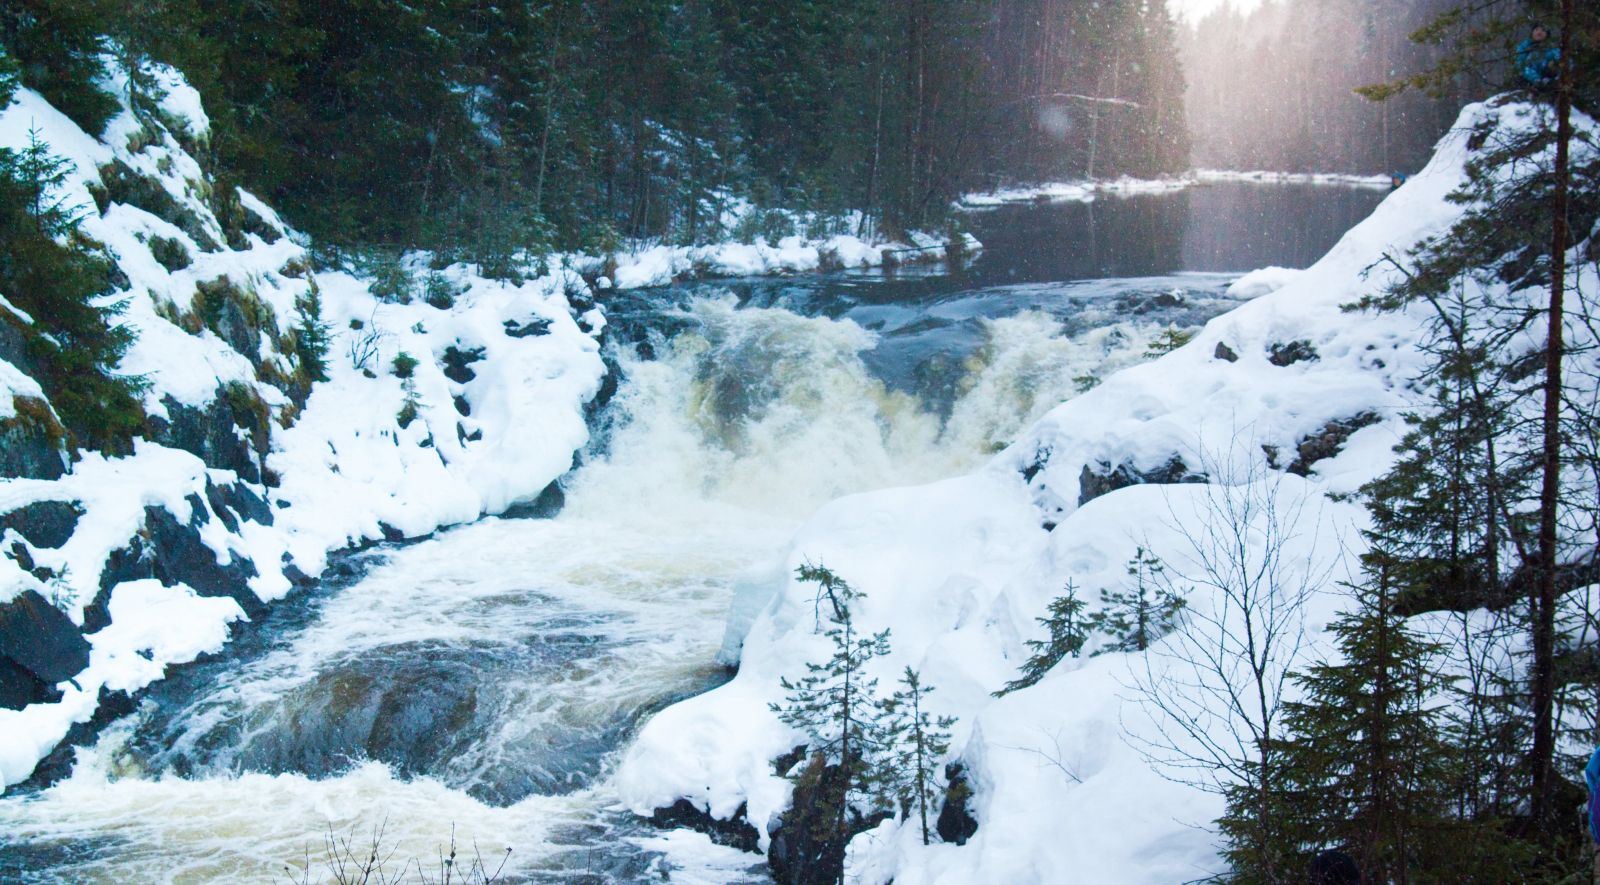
(19, 687)
(1101, 478)
(529, 329)
(124, 185)
(735, 832)
(38, 639)
(546, 506)
(956, 824)
(1225, 353)
(1036, 466)
(1328, 441)
(14, 343)
(32, 442)
(211, 432)
(457, 360)
(1293, 352)
(463, 408)
(237, 316)
(44, 523)
(173, 553)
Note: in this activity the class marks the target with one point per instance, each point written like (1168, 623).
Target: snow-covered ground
(1069, 779)
(1072, 191)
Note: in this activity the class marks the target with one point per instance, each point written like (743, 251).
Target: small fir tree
(837, 705)
(1139, 616)
(311, 336)
(1068, 630)
(920, 742)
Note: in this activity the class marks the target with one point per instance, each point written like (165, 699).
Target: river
(483, 682)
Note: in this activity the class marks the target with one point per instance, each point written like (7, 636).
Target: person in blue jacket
(1591, 776)
(1538, 60)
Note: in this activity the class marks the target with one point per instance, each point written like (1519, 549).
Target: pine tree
(1068, 629)
(1468, 512)
(1137, 617)
(1363, 763)
(919, 742)
(49, 269)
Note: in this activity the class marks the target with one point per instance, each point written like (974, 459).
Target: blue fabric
(1591, 776)
(1538, 62)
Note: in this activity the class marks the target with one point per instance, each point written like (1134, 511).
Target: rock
(956, 824)
(37, 640)
(735, 832)
(1225, 353)
(1294, 352)
(529, 329)
(1327, 442)
(456, 360)
(209, 432)
(546, 506)
(32, 442)
(44, 523)
(1101, 478)
(173, 553)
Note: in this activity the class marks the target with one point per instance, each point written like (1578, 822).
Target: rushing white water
(496, 669)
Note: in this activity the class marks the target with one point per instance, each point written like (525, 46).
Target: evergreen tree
(919, 742)
(1137, 617)
(1468, 511)
(1068, 629)
(311, 336)
(49, 269)
(837, 705)
(1363, 765)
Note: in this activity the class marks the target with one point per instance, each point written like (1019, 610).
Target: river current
(482, 683)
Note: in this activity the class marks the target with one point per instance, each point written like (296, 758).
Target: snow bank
(1264, 281)
(1083, 191)
(152, 628)
(959, 570)
(658, 265)
(1325, 178)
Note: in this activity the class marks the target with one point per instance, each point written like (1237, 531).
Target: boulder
(46, 524)
(41, 647)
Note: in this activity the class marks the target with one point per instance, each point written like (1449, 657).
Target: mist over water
(486, 679)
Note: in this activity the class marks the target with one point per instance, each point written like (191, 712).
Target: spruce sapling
(836, 703)
(919, 744)
(1068, 629)
(1137, 617)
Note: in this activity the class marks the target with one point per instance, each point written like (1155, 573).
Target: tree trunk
(1544, 677)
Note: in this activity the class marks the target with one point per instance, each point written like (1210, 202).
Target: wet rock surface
(39, 647)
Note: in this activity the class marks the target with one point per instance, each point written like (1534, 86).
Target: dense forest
(482, 127)
(1276, 88)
